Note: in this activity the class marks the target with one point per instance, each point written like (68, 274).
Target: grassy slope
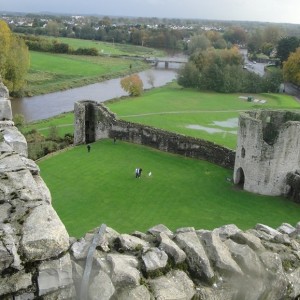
(173, 109)
(64, 124)
(53, 72)
(99, 187)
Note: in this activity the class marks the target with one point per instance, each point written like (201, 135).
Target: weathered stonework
(38, 260)
(93, 121)
(268, 149)
(33, 240)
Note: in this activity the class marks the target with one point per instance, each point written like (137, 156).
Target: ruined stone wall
(105, 125)
(38, 260)
(34, 258)
(268, 149)
(221, 264)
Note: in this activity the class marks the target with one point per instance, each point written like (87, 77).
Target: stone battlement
(267, 150)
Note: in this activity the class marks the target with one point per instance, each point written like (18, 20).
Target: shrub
(132, 84)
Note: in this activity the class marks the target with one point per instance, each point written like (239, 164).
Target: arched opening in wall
(240, 178)
(89, 123)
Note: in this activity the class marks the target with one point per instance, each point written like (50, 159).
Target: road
(258, 68)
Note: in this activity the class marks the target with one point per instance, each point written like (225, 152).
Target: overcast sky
(280, 11)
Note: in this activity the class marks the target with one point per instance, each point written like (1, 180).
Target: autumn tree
(14, 60)
(132, 84)
(291, 68)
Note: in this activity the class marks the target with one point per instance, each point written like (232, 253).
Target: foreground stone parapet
(224, 264)
(34, 262)
(44, 235)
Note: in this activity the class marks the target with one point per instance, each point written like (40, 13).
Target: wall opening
(243, 152)
(89, 123)
(240, 178)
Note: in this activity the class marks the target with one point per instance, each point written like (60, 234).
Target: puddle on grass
(230, 123)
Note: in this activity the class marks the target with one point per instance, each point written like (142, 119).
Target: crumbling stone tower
(268, 152)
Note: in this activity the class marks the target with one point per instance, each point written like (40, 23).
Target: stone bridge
(166, 60)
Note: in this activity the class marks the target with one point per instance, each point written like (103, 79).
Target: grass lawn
(207, 115)
(53, 72)
(89, 189)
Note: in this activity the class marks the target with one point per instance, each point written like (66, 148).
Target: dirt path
(183, 112)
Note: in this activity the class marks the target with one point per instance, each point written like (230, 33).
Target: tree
(235, 35)
(52, 28)
(14, 60)
(132, 84)
(291, 68)
(267, 48)
(272, 80)
(285, 46)
(19, 120)
(271, 34)
(188, 75)
(198, 42)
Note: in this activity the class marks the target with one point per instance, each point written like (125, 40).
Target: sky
(278, 11)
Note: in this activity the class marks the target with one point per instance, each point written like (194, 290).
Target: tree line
(221, 70)
(14, 60)
(214, 63)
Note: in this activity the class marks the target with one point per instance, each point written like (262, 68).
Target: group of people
(138, 172)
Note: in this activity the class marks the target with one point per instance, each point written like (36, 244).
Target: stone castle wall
(268, 149)
(34, 258)
(93, 121)
(38, 260)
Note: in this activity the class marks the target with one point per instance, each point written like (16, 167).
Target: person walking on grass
(140, 172)
(88, 147)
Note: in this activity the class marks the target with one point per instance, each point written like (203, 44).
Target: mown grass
(53, 72)
(175, 109)
(89, 189)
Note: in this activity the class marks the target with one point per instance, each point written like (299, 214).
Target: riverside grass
(89, 189)
(107, 48)
(51, 72)
(64, 124)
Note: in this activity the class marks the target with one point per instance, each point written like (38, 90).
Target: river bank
(52, 104)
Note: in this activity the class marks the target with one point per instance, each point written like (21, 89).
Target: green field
(89, 189)
(53, 72)
(111, 48)
(207, 115)
(213, 115)
(64, 124)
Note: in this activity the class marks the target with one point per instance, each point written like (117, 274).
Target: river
(49, 105)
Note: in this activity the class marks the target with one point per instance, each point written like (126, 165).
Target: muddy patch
(230, 123)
